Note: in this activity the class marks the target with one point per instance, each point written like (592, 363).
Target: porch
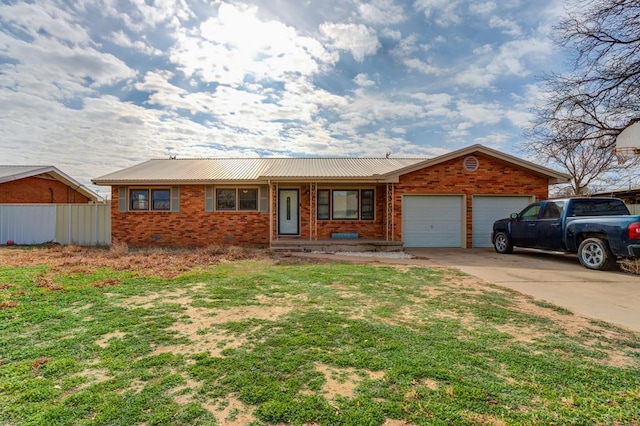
(333, 245)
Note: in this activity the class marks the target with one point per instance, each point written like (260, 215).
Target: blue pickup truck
(600, 230)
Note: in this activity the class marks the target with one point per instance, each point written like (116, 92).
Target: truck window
(612, 207)
(553, 210)
(531, 212)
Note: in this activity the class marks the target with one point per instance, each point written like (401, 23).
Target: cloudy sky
(95, 86)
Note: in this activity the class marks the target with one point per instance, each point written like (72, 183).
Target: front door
(288, 212)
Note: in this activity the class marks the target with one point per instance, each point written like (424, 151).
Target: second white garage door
(432, 221)
(487, 209)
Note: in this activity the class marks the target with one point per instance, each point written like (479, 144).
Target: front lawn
(236, 338)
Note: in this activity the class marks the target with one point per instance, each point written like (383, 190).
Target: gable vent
(470, 164)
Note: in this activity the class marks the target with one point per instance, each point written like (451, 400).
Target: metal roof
(10, 173)
(255, 169)
(252, 170)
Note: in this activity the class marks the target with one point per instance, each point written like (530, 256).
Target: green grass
(253, 341)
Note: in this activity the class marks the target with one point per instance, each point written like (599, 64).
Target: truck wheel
(502, 243)
(594, 253)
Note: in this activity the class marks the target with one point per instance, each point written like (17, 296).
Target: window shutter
(123, 203)
(208, 198)
(175, 198)
(264, 198)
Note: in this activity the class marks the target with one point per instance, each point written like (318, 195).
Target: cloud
(44, 20)
(391, 34)
(443, 12)
(363, 80)
(509, 27)
(357, 39)
(120, 38)
(512, 59)
(221, 49)
(409, 52)
(485, 113)
(482, 8)
(436, 105)
(385, 12)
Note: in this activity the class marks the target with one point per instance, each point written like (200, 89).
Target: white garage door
(432, 220)
(488, 209)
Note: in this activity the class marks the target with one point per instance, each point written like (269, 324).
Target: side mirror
(514, 216)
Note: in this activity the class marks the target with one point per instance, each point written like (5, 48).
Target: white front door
(288, 212)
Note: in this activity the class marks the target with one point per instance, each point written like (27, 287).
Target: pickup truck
(600, 230)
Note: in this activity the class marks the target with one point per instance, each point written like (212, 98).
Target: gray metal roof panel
(254, 169)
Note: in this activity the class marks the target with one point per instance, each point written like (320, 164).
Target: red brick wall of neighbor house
(191, 227)
(39, 190)
(492, 177)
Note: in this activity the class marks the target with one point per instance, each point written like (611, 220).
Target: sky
(92, 87)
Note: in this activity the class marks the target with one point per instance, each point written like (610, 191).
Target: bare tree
(584, 110)
(590, 164)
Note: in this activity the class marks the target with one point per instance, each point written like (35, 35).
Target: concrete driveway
(611, 296)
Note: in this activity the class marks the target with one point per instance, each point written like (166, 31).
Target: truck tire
(502, 243)
(594, 253)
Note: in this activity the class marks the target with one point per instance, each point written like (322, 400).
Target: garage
(489, 208)
(432, 220)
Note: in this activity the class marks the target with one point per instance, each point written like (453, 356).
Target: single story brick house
(41, 185)
(446, 201)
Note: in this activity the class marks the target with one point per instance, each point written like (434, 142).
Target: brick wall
(492, 177)
(190, 227)
(40, 190)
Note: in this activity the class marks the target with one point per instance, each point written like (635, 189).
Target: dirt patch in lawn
(343, 381)
(200, 325)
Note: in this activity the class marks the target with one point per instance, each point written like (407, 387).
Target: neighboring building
(630, 196)
(40, 185)
(447, 201)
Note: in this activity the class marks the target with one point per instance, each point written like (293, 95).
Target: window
(367, 204)
(248, 199)
(345, 204)
(323, 204)
(225, 199)
(599, 207)
(531, 212)
(237, 199)
(160, 199)
(553, 210)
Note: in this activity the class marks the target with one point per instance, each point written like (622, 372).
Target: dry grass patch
(167, 263)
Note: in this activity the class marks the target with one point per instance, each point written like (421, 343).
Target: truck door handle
(532, 224)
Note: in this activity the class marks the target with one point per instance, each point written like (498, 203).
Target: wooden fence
(82, 224)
